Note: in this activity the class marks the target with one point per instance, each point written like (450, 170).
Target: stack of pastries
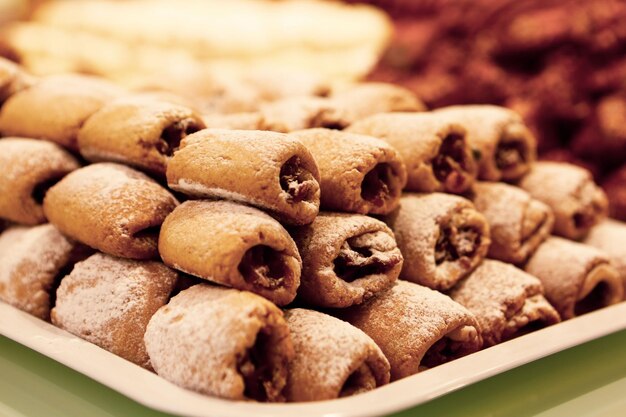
(316, 248)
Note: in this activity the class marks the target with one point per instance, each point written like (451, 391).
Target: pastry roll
(55, 108)
(576, 278)
(346, 259)
(610, 237)
(109, 301)
(359, 174)
(296, 113)
(187, 345)
(576, 201)
(435, 152)
(12, 79)
(33, 261)
(234, 121)
(517, 222)
(416, 328)
(442, 237)
(137, 131)
(30, 167)
(332, 358)
(265, 169)
(232, 245)
(112, 208)
(506, 301)
(505, 147)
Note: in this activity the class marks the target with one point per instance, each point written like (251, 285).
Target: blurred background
(560, 63)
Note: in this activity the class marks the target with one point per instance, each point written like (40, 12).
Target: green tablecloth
(588, 380)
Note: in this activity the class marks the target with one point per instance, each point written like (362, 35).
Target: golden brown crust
(443, 238)
(332, 358)
(265, 169)
(234, 121)
(232, 245)
(416, 328)
(517, 222)
(577, 278)
(505, 300)
(137, 131)
(576, 201)
(30, 167)
(610, 237)
(507, 148)
(346, 259)
(359, 174)
(187, 345)
(112, 208)
(109, 301)
(435, 152)
(55, 108)
(297, 113)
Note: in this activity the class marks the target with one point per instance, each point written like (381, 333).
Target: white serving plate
(154, 392)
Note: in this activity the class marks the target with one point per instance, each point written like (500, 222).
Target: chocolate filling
(377, 185)
(256, 369)
(361, 380)
(297, 181)
(597, 298)
(173, 134)
(510, 154)
(359, 258)
(40, 189)
(450, 164)
(264, 267)
(453, 244)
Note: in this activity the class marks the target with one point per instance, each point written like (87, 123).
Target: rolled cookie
(442, 237)
(416, 328)
(435, 152)
(610, 237)
(232, 245)
(359, 174)
(55, 108)
(30, 167)
(517, 222)
(12, 79)
(112, 208)
(346, 259)
(332, 358)
(297, 113)
(109, 301)
(576, 278)
(265, 169)
(187, 345)
(33, 261)
(506, 301)
(137, 131)
(505, 146)
(576, 201)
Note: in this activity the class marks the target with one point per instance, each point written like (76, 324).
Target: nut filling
(597, 298)
(263, 267)
(378, 185)
(456, 244)
(587, 216)
(361, 380)
(257, 369)
(450, 164)
(365, 255)
(451, 346)
(296, 181)
(510, 154)
(40, 189)
(170, 139)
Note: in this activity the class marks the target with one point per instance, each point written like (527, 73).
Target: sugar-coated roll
(109, 302)
(55, 108)
(506, 301)
(435, 152)
(232, 245)
(137, 131)
(442, 237)
(29, 168)
(417, 328)
(359, 173)
(12, 79)
(33, 259)
(297, 113)
(610, 237)
(576, 201)
(268, 170)
(332, 359)
(517, 222)
(346, 259)
(112, 208)
(577, 278)
(504, 146)
(235, 121)
(187, 345)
